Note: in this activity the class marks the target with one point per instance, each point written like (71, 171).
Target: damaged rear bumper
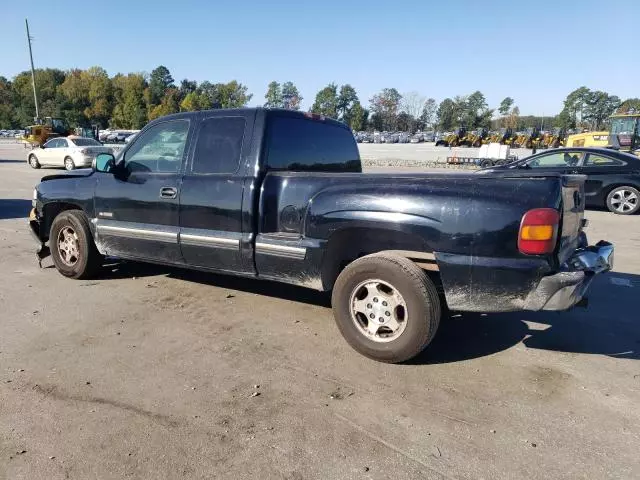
(567, 288)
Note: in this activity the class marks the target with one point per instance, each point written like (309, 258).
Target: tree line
(128, 101)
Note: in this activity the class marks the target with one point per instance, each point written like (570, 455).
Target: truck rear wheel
(72, 249)
(386, 307)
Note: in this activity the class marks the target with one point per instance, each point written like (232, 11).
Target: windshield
(623, 125)
(85, 142)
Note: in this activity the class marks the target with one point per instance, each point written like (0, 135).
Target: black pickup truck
(280, 195)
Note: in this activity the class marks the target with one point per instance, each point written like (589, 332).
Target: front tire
(72, 248)
(68, 164)
(33, 161)
(386, 307)
(624, 200)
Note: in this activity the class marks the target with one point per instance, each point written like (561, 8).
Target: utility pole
(33, 72)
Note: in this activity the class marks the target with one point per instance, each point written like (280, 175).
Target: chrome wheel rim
(32, 161)
(378, 310)
(68, 164)
(624, 200)
(68, 246)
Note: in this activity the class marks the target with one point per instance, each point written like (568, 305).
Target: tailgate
(572, 215)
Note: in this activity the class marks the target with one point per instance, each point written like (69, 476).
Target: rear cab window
(301, 143)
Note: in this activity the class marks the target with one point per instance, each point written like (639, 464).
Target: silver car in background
(68, 152)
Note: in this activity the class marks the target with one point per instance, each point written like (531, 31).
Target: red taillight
(538, 231)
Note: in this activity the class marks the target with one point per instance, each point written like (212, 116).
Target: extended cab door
(211, 215)
(136, 207)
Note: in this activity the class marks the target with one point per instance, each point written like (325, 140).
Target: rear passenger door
(211, 217)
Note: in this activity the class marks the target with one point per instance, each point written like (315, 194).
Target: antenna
(33, 72)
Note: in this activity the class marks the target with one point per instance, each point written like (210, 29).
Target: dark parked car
(280, 195)
(613, 177)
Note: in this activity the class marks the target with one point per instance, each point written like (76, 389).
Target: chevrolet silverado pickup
(280, 195)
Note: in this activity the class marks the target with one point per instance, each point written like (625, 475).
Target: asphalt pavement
(155, 373)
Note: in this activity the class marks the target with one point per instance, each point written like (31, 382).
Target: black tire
(623, 200)
(33, 161)
(423, 309)
(68, 164)
(88, 259)
(486, 163)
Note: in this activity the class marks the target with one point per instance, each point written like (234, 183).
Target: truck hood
(81, 172)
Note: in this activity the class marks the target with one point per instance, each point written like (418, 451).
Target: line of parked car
(394, 137)
(11, 133)
(119, 136)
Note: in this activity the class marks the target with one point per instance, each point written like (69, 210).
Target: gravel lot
(155, 373)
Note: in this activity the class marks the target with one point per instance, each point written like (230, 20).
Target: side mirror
(104, 162)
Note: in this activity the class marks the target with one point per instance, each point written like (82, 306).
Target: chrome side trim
(158, 233)
(297, 253)
(209, 241)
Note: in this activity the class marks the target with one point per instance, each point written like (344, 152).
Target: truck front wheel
(386, 307)
(72, 249)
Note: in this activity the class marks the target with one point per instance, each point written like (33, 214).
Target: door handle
(168, 192)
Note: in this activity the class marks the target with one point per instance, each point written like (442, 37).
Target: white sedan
(68, 152)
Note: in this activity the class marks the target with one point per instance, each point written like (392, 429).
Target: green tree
(291, 97)
(575, 105)
(326, 102)
(169, 104)
(599, 107)
(505, 106)
(476, 112)
(100, 96)
(159, 81)
(630, 105)
(347, 98)
(225, 95)
(194, 101)
(6, 104)
(273, 97)
(447, 114)
(405, 122)
(428, 113)
(386, 105)
(47, 82)
(187, 87)
(357, 117)
(130, 110)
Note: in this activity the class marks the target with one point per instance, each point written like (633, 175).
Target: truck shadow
(609, 326)
(14, 208)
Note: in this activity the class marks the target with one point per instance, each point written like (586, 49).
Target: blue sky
(535, 52)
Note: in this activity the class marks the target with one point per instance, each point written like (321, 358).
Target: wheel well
(51, 211)
(345, 246)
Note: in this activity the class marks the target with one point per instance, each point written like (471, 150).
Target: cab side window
(219, 145)
(159, 149)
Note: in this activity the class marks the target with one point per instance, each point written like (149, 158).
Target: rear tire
(624, 200)
(72, 248)
(33, 161)
(68, 163)
(402, 299)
